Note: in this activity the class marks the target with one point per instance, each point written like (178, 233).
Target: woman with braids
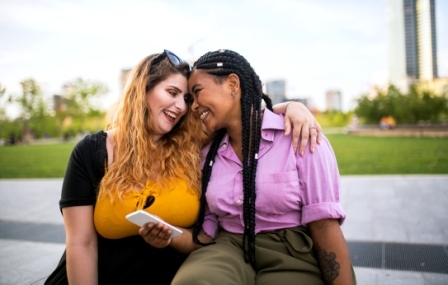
(274, 215)
(148, 158)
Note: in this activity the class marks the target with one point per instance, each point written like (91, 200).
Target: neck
(156, 139)
(235, 133)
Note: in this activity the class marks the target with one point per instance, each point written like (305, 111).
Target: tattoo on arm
(328, 264)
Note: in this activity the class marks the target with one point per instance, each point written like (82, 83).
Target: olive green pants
(282, 257)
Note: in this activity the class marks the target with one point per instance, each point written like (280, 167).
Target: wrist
(286, 107)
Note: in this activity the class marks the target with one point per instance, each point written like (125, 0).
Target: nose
(194, 106)
(180, 104)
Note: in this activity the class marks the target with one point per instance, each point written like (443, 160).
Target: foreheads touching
(221, 63)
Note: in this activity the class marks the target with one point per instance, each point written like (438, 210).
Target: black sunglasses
(174, 59)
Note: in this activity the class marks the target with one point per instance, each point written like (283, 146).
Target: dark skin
(332, 251)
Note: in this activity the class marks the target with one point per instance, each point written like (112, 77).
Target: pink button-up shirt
(291, 190)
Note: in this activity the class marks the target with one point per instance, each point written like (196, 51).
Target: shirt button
(238, 201)
(224, 146)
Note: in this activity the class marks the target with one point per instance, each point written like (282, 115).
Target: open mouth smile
(204, 114)
(170, 114)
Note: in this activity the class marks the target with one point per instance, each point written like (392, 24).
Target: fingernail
(312, 150)
(301, 153)
(295, 149)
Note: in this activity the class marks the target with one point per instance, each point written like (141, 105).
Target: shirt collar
(271, 122)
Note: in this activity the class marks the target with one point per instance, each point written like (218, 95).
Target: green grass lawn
(390, 155)
(355, 155)
(34, 161)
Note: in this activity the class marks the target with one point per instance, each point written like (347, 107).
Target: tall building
(276, 90)
(334, 100)
(412, 41)
(124, 78)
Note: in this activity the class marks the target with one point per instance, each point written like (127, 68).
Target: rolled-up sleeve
(319, 185)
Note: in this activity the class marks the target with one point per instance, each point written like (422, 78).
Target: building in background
(333, 99)
(124, 78)
(412, 42)
(113, 107)
(276, 90)
(304, 101)
(439, 86)
(59, 103)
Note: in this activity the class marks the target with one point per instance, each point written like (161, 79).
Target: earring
(233, 95)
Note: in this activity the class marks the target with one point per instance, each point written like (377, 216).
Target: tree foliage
(34, 109)
(415, 107)
(40, 117)
(30, 100)
(334, 118)
(2, 106)
(80, 96)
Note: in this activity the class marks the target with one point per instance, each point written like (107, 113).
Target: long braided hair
(220, 64)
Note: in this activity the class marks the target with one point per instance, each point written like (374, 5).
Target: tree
(34, 115)
(32, 104)
(3, 119)
(79, 95)
(412, 108)
(31, 93)
(2, 107)
(40, 116)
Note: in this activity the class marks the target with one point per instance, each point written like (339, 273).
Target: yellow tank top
(175, 204)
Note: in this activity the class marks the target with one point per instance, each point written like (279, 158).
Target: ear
(233, 82)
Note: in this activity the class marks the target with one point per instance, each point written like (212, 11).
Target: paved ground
(385, 212)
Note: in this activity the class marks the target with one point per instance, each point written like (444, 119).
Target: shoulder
(323, 156)
(92, 147)
(272, 121)
(85, 169)
(92, 141)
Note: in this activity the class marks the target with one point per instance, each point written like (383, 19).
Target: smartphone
(142, 217)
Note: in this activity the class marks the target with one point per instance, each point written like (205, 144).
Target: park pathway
(396, 229)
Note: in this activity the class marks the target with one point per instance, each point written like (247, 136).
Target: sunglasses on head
(174, 59)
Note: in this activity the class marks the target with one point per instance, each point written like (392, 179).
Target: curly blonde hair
(136, 156)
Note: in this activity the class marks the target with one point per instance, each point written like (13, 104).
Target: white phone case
(142, 217)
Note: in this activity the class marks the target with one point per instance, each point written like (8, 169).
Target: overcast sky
(315, 45)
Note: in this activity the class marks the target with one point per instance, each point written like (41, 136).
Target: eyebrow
(194, 86)
(175, 87)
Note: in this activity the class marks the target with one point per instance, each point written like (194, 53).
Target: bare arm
(82, 245)
(298, 117)
(158, 236)
(332, 252)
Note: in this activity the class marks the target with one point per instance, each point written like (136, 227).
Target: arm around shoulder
(302, 122)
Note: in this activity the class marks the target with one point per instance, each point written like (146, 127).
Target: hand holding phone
(141, 218)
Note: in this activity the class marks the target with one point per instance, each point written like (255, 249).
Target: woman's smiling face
(167, 103)
(213, 102)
